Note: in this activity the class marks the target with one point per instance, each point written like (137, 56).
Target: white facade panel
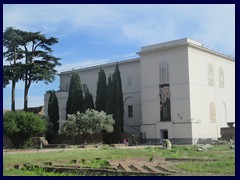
(203, 94)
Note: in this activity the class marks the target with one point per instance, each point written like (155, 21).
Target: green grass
(219, 167)
(110, 153)
(224, 164)
(36, 172)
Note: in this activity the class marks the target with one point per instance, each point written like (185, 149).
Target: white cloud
(213, 25)
(137, 25)
(143, 24)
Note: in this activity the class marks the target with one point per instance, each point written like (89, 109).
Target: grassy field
(224, 156)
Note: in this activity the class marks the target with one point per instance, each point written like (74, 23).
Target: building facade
(177, 90)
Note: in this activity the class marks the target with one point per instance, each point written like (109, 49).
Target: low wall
(74, 140)
(228, 133)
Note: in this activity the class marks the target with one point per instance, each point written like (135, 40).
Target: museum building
(177, 90)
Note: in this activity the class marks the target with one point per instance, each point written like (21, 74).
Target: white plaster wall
(131, 94)
(175, 130)
(150, 112)
(150, 131)
(162, 126)
(179, 113)
(133, 100)
(182, 130)
(89, 76)
(179, 89)
(202, 94)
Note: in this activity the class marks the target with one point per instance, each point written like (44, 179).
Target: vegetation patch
(115, 160)
(21, 127)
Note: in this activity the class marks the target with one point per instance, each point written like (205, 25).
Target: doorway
(163, 135)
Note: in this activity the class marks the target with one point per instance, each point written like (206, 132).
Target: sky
(98, 33)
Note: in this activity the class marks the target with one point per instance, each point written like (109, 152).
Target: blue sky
(93, 34)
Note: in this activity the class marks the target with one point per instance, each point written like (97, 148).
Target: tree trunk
(14, 82)
(26, 88)
(13, 95)
(26, 97)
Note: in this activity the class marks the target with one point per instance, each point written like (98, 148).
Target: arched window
(210, 75)
(221, 77)
(164, 76)
(130, 105)
(212, 113)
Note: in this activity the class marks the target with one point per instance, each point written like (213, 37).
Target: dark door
(163, 135)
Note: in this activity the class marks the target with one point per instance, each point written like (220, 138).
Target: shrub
(87, 123)
(22, 126)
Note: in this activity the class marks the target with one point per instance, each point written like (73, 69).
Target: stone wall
(228, 133)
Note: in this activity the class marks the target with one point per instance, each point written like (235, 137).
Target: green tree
(37, 62)
(115, 106)
(53, 112)
(101, 91)
(22, 126)
(119, 97)
(49, 128)
(88, 100)
(109, 96)
(75, 97)
(108, 137)
(88, 123)
(12, 41)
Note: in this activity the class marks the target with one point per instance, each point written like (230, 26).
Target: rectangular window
(130, 111)
(129, 82)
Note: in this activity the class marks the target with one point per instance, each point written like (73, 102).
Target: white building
(177, 90)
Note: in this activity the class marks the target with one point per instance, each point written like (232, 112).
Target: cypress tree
(109, 137)
(109, 96)
(53, 112)
(119, 96)
(88, 100)
(115, 106)
(116, 109)
(75, 97)
(101, 91)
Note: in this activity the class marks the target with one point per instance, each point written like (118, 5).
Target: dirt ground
(44, 150)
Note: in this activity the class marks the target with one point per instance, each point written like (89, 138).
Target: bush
(88, 123)
(22, 126)
(49, 132)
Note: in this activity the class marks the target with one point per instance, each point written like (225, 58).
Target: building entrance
(163, 135)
